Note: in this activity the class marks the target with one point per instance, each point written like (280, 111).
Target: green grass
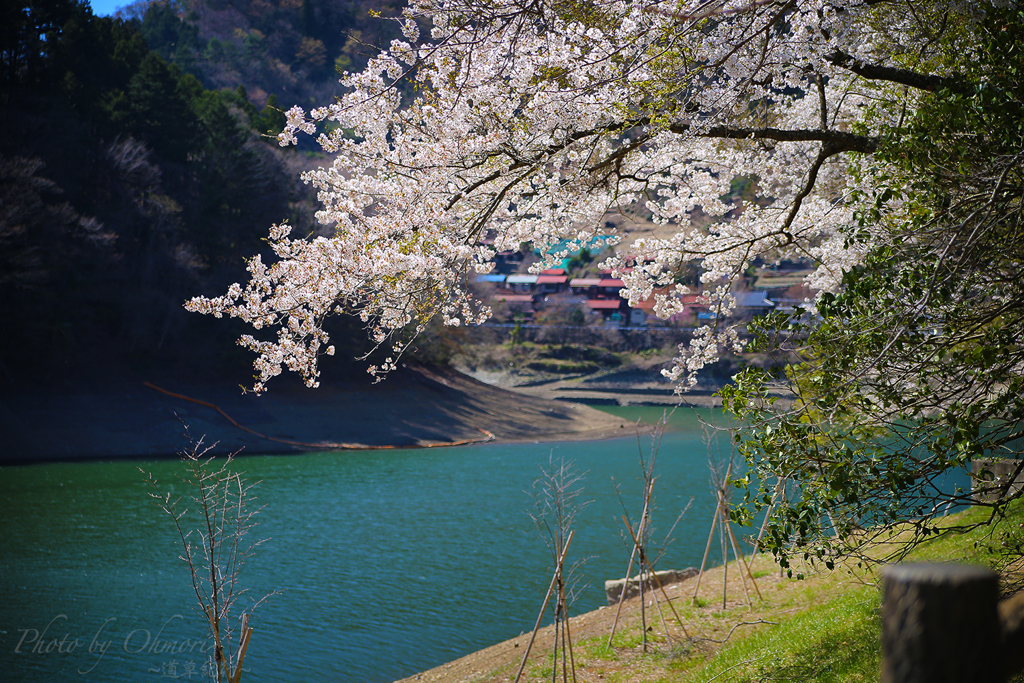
(597, 649)
(825, 629)
(626, 639)
(838, 640)
(982, 545)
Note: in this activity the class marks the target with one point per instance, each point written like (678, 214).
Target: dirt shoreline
(703, 630)
(414, 407)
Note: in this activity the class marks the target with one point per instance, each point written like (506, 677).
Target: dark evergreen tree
(157, 107)
(170, 36)
(270, 120)
(29, 30)
(124, 185)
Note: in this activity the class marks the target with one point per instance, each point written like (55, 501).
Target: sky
(106, 7)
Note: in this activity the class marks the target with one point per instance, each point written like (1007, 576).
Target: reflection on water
(390, 562)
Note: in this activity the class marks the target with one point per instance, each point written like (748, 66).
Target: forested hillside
(288, 50)
(135, 171)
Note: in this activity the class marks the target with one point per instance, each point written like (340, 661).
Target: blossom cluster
(530, 122)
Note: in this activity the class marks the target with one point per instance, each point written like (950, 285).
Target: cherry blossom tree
(884, 141)
(531, 121)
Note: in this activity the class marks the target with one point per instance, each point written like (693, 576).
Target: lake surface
(389, 562)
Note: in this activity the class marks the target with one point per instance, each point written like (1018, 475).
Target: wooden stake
(629, 570)
(568, 635)
(544, 606)
(658, 585)
(711, 536)
(743, 558)
(622, 595)
(779, 486)
(725, 554)
(736, 554)
(707, 549)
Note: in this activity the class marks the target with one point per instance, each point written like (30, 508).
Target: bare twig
(215, 549)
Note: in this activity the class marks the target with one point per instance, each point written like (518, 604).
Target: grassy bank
(824, 628)
(837, 640)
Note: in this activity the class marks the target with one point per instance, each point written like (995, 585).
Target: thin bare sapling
(215, 520)
(556, 495)
(640, 533)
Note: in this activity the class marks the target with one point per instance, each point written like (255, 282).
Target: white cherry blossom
(530, 122)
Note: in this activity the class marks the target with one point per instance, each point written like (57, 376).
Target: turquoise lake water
(388, 562)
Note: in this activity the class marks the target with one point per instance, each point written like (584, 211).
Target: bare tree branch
(877, 72)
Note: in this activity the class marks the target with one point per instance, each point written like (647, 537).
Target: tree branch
(812, 176)
(877, 72)
(838, 141)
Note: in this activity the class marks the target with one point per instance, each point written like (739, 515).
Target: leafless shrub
(215, 521)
